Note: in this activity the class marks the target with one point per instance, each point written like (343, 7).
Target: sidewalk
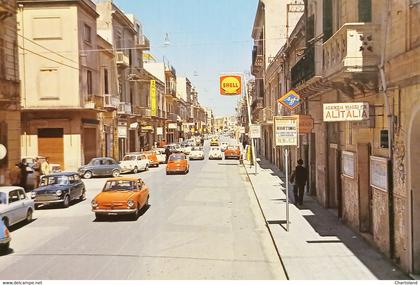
(318, 246)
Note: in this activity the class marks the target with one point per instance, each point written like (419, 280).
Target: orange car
(152, 157)
(177, 162)
(121, 196)
(232, 152)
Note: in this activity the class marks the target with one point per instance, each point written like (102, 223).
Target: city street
(203, 225)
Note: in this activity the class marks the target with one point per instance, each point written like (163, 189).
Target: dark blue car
(4, 237)
(59, 188)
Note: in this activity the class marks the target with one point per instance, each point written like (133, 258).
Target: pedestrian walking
(23, 173)
(37, 172)
(299, 178)
(45, 167)
(167, 153)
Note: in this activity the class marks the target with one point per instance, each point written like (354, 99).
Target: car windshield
(3, 198)
(197, 148)
(129, 157)
(177, 157)
(232, 147)
(120, 185)
(54, 180)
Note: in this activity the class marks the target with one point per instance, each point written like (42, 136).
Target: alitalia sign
(341, 112)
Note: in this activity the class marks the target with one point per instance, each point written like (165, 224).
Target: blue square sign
(291, 100)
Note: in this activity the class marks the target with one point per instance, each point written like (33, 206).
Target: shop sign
(255, 131)
(379, 173)
(341, 112)
(159, 131)
(122, 132)
(147, 129)
(290, 100)
(230, 85)
(306, 124)
(172, 126)
(347, 163)
(286, 130)
(241, 130)
(153, 99)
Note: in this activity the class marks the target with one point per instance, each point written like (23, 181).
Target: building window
(48, 83)
(365, 11)
(87, 34)
(106, 82)
(328, 19)
(89, 82)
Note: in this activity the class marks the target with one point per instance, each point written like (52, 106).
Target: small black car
(59, 188)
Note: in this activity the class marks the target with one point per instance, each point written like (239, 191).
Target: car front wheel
(29, 215)
(135, 170)
(87, 175)
(115, 173)
(66, 201)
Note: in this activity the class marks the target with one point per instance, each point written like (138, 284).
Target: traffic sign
(255, 131)
(290, 100)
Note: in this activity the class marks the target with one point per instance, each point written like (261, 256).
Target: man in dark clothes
(299, 177)
(23, 173)
(167, 153)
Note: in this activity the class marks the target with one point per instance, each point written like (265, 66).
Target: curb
(266, 224)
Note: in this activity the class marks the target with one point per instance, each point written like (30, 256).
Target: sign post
(286, 131)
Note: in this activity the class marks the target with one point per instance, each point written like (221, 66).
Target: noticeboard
(347, 164)
(255, 131)
(286, 130)
(379, 173)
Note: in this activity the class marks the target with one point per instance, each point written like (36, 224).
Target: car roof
(63, 173)
(123, 178)
(7, 189)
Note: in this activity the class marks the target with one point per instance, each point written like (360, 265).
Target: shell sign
(230, 85)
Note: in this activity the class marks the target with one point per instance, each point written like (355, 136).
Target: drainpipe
(390, 119)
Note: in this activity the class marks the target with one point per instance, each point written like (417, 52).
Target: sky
(207, 38)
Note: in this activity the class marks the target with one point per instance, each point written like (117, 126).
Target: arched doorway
(414, 178)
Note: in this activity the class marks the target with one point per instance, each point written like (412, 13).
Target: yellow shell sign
(230, 85)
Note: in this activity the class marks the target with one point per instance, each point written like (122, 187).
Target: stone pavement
(318, 246)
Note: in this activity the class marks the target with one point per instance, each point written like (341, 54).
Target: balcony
(124, 108)
(304, 69)
(172, 117)
(144, 43)
(111, 102)
(94, 102)
(352, 53)
(122, 60)
(142, 111)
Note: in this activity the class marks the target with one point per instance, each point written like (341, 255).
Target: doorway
(365, 191)
(414, 161)
(51, 145)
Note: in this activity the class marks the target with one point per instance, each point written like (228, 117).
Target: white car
(196, 153)
(15, 205)
(160, 154)
(186, 149)
(223, 146)
(134, 162)
(215, 153)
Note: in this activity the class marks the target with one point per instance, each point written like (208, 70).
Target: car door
(13, 207)
(109, 166)
(72, 188)
(143, 192)
(24, 202)
(97, 168)
(78, 185)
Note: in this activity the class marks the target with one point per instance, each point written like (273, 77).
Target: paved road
(203, 225)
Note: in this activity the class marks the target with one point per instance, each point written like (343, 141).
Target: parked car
(215, 153)
(160, 154)
(15, 205)
(232, 152)
(100, 166)
(134, 162)
(197, 153)
(121, 196)
(54, 167)
(174, 148)
(186, 147)
(223, 146)
(214, 142)
(4, 237)
(177, 163)
(152, 157)
(59, 188)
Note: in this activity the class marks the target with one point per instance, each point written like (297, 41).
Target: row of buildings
(74, 85)
(365, 54)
